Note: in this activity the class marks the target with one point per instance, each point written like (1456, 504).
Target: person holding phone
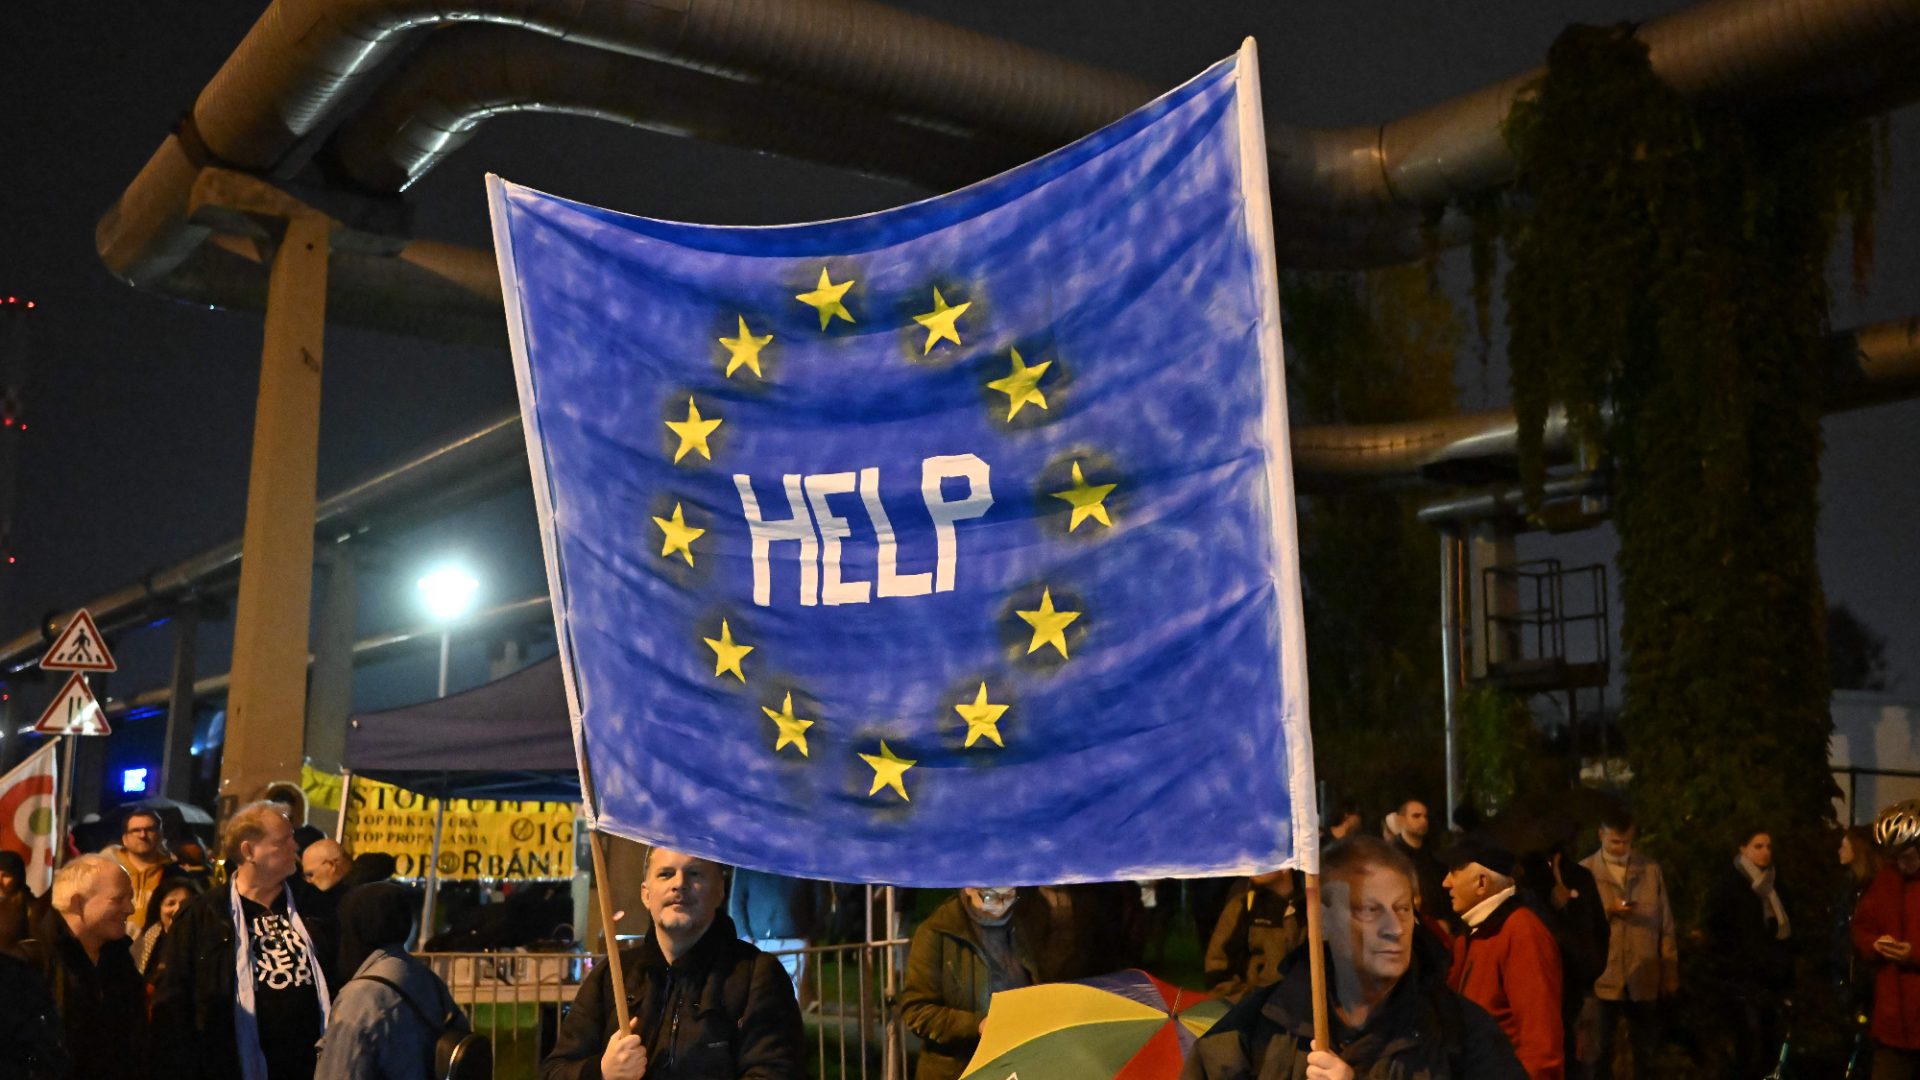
(1885, 924)
(1643, 953)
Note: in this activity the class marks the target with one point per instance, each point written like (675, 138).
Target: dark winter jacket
(14, 921)
(1256, 931)
(31, 1044)
(193, 996)
(725, 1010)
(1435, 901)
(947, 986)
(1423, 1031)
(1891, 907)
(1743, 949)
(102, 1007)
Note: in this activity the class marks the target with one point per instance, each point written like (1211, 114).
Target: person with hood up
(392, 1009)
(978, 943)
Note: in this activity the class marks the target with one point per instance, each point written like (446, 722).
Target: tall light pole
(448, 593)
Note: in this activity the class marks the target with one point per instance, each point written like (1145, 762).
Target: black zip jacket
(724, 1010)
(102, 1007)
(193, 1036)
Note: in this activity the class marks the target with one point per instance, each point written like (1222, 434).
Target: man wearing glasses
(142, 851)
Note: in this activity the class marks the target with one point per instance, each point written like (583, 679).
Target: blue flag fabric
(948, 545)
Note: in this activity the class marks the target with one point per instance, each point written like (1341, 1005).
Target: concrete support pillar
(176, 762)
(330, 684)
(267, 700)
(330, 690)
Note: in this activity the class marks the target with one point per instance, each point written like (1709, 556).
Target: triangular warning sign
(80, 648)
(74, 711)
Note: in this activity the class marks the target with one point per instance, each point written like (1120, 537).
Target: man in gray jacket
(1643, 957)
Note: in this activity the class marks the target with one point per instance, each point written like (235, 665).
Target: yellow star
(1048, 625)
(693, 432)
(680, 536)
(982, 717)
(889, 770)
(744, 349)
(727, 653)
(1087, 500)
(940, 321)
(826, 298)
(793, 730)
(1021, 385)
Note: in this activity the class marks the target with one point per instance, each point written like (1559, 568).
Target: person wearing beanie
(1506, 960)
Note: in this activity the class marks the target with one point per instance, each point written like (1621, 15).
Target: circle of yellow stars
(1021, 385)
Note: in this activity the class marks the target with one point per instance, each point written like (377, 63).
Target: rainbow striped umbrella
(1128, 1025)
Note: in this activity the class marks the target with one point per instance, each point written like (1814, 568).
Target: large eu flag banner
(941, 546)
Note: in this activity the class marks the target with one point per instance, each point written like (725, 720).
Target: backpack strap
(435, 1026)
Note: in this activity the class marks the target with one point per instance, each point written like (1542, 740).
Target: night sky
(140, 409)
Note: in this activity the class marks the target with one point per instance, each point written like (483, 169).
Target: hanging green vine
(1668, 286)
(1502, 753)
(1371, 349)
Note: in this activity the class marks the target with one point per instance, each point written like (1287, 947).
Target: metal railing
(846, 992)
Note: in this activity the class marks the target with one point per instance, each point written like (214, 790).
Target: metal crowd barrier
(847, 997)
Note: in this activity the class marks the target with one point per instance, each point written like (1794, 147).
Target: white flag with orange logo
(27, 814)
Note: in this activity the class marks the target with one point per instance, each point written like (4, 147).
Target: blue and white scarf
(246, 1024)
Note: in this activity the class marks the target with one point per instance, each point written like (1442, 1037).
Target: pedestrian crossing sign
(79, 648)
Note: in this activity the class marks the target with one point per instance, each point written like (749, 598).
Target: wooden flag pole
(604, 886)
(1317, 965)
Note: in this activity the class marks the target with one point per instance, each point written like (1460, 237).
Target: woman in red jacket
(1886, 924)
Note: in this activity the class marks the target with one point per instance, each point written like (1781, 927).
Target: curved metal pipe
(282, 83)
(464, 76)
(306, 55)
(1335, 455)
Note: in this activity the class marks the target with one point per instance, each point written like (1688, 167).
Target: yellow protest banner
(483, 838)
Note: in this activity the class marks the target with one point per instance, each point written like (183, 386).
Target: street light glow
(448, 592)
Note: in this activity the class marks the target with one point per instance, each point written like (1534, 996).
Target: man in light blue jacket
(373, 1034)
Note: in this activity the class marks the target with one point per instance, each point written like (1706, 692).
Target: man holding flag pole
(944, 544)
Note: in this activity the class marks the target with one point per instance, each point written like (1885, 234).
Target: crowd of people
(1450, 954)
(134, 964)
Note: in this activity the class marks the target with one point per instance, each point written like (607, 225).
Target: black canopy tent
(508, 739)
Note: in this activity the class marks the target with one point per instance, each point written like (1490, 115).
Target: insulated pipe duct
(455, 472)
(1875, 364)
(465, 76)
(1359, 454)
(303, 57)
